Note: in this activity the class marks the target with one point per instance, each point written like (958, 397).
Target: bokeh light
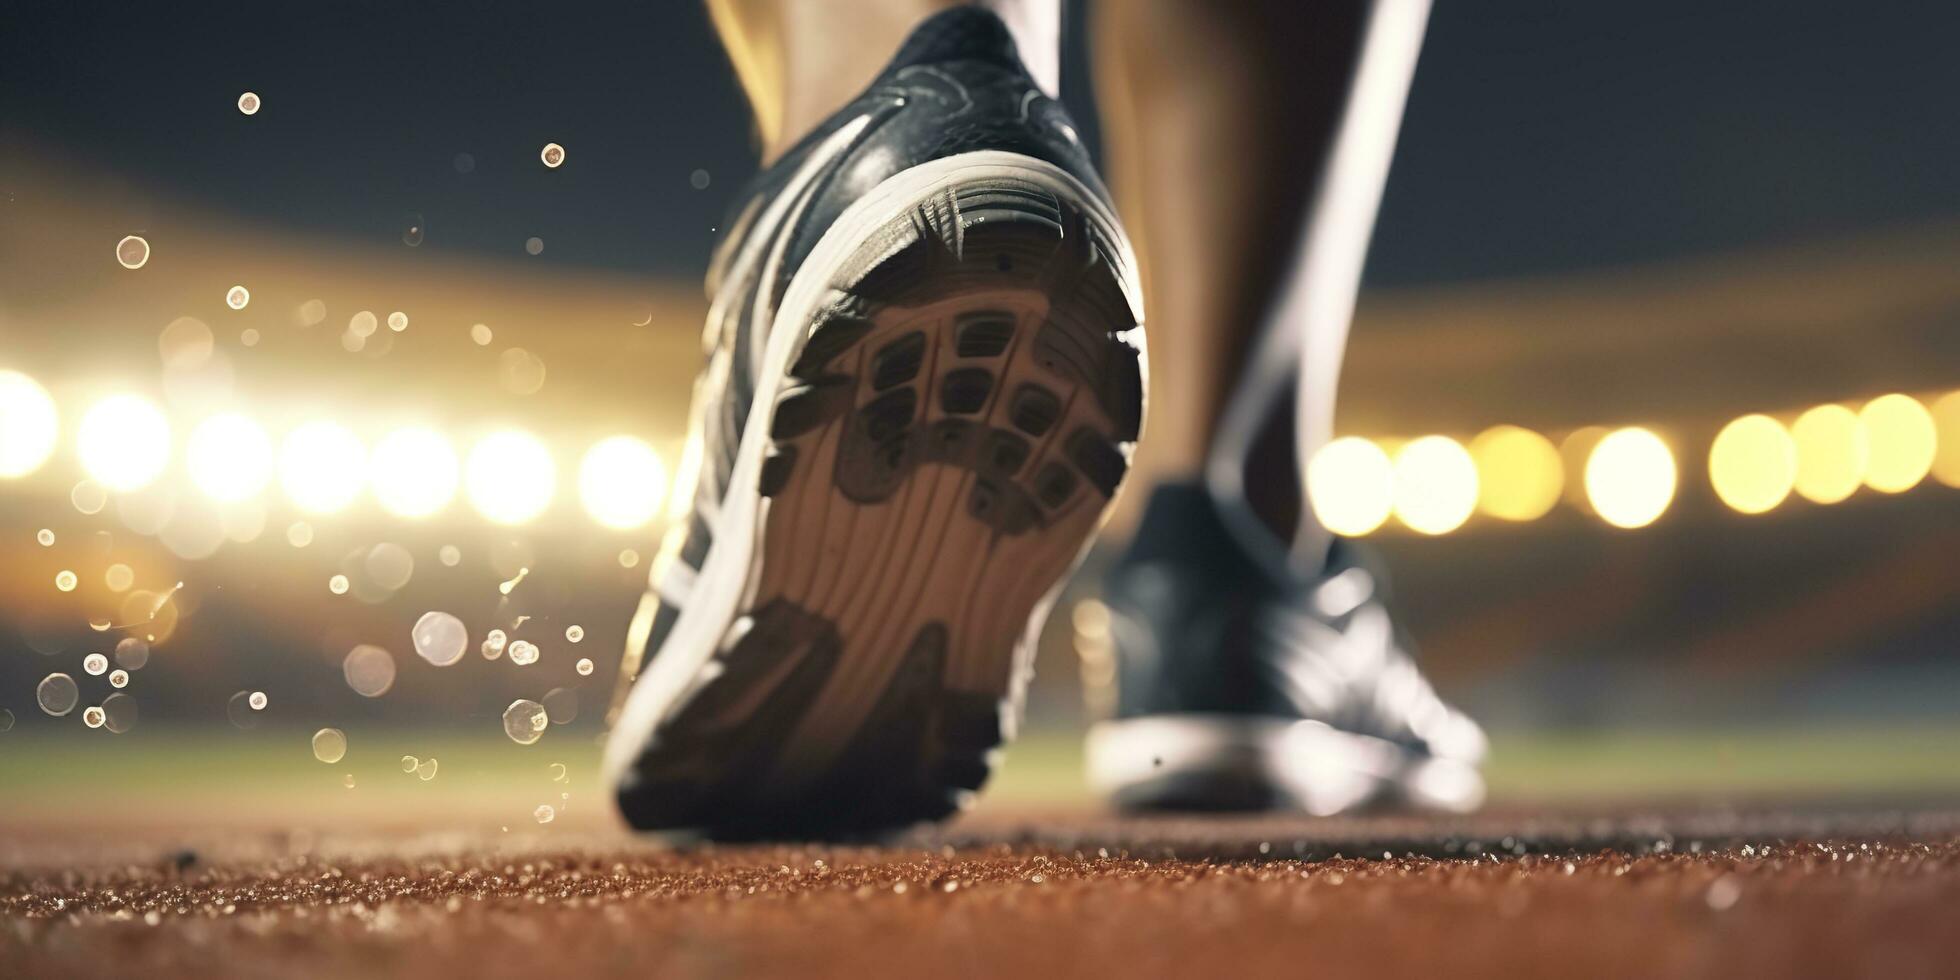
(1351, 485)
(1519, 473)
(28, 425)
(1832, 451)
(1946, 420)
(413, 472)
(321, 467)
(1903, 441)
(1753, 464)
(622, 482)
(230, 457)
(124, 442)
(1435, 484)
(510, 477)
(1630, 477)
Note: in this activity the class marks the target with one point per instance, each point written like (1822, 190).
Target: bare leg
(799, 61)
(1249, 143)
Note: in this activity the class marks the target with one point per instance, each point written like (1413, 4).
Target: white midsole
(1323, 769)
(724, 579)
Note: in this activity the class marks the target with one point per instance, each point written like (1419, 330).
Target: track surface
(1784, 893)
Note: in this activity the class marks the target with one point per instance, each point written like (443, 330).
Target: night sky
(1542, 136)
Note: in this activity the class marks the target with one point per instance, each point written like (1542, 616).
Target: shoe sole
(1210, 762)
(936, 438)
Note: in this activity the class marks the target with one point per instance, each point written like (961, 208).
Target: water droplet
(450, 555)
(249, 337)
(46, 537)
(363, 324)
(574, 633)
(311, 313)
(89, 497)
(249, 103)
(523, 653)
(92, 716)
(119, 713)
(119, 678)
(628, 558)
(6, 720)
(329, 745)
(337, 585)
(237, 296)
(544, 813)
(347, 780)
(534, 245)
(57, 694)
(464, 163)
(561, 704)
(505, 587)
(95, 664)
(132, 652)
(525, 721)
(440, 638)
(119, 577)
(493, 645)
(64, 580)
(557, 771)
(698, 180)
(584, 666)
(390, 566)
(409, 763)
(299, 534)
(398, 321)
(552, 155)
(369, 670)
(238, 709)
(413, 229)
(133, 252)
(425, 770)
(257, 700)
(480, 333)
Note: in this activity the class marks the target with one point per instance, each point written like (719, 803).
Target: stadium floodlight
(1519, 473)
(413, 472)
(622, 482)
(322, 466)
(124, 442)
(1351, 484)
(1753, 464)
(229, 457)
(1903, 442)
(510, 477)
(29, 425)
(1630, 477)
(1435, 484)
(1832, 451)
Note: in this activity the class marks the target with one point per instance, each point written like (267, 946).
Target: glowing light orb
(622, 482)
(1903, 442)
(1753, 464)
(1519, 473)
(510, 477)
(1351, 485)
(321, 467)
(230, 457)
(553, 155)
(1946, 418)
(133, 252)
(28, 425)
(1630, 477)
(1435, 485)
(237, 297)
(413, 472)
(249, 103)
(124, 442)
(1832, 451)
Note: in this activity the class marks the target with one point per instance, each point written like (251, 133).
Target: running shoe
(1242, 686)
(924, 384)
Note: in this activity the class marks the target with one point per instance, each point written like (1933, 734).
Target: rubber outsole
(939, 451)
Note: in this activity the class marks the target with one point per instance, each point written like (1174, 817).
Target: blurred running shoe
(1244, 687)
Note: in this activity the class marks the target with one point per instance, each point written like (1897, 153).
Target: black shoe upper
(1201, 627)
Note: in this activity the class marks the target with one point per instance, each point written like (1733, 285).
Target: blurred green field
(250, 779)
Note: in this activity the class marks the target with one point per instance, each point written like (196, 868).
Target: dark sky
(1542, 136)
